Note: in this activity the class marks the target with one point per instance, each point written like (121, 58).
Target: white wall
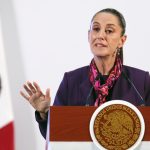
(45, 38)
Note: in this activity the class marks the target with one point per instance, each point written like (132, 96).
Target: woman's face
(105, 35)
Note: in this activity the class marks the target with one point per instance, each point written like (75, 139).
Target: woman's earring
(118, 51)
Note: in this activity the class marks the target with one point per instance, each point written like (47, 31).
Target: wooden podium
(71, 123)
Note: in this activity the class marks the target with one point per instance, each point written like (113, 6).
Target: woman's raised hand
(36, 98)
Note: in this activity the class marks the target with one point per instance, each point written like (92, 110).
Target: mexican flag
(6, 115)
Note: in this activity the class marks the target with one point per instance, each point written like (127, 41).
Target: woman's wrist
(43, 115)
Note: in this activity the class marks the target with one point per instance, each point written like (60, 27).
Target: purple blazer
(133, 86)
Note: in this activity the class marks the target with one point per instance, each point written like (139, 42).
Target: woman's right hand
(36, 98)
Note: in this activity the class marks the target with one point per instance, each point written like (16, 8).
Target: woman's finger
(31, 87)
(27, 90)
(24, 95)
(37, 87)
(47, 96)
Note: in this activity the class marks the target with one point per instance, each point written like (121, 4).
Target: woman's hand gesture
(36, 98)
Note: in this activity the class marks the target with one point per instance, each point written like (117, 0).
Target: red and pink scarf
(102, 91)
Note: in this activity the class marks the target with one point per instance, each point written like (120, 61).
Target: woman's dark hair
(121, 20)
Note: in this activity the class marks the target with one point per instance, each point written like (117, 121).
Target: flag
(6, 115)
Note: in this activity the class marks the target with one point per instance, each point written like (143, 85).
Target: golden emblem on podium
(117, 125)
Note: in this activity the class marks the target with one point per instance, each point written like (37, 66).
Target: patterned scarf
(102, 90)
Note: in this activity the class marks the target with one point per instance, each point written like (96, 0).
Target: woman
(106, 78)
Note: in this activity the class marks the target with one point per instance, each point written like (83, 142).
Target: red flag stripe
(7, 137)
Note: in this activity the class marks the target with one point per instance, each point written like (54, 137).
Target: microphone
(91, 90)
(136, 90)
(88, 97)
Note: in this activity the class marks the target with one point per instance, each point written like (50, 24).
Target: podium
(69, 128)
